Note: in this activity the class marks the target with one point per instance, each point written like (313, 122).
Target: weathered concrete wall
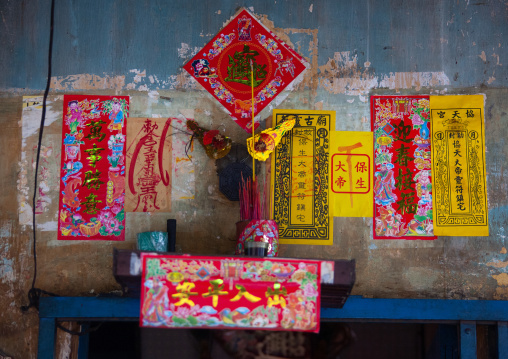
(356, 49)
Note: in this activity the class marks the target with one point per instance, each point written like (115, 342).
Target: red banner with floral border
(223, 67)
(92, 177)
(402, 158)
(234, 293)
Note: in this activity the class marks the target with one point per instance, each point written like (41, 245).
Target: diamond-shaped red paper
(223, 68)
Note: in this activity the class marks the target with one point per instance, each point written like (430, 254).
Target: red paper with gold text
(92, 174)
(402, 160)
(234, 293)
(222, 67)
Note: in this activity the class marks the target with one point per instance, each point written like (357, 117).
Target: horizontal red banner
(221, 292)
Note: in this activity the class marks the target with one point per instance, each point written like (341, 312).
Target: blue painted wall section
(113, 37)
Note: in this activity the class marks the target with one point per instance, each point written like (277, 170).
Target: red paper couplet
(402, 178)
(92, 176)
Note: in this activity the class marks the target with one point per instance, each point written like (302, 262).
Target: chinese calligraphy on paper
(300, 178)
(351, 173)
(149, 168)
(458, 167)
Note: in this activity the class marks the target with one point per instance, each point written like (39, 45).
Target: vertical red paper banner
(92, 177)
(402, 159)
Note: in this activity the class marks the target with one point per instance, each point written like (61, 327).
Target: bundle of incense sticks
(252, 204)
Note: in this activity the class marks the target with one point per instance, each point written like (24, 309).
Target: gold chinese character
(184, 292)
(277, 294)
(92, 180)
(94, 154)
(96, 130)
(91, 204)
(242, 293)
(215, 290)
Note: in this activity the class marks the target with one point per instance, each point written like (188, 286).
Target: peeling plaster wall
(355, 48)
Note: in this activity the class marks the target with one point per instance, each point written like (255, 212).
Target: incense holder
(258, 230)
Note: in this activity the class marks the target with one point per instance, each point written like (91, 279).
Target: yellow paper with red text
(458, 166)
(351, 174)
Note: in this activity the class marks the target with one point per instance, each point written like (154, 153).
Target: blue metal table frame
(466, 313)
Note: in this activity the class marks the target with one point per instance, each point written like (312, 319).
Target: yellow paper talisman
(458, 166)
(300, 178)
(351, 172)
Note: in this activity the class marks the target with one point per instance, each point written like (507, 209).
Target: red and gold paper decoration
(223, 67)
(92, 175)
(402, 174)
(233, 293)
